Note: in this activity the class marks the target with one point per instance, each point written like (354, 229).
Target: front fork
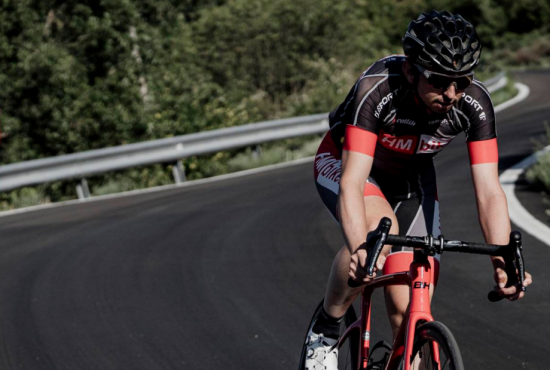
(419, 308)
(419, 312)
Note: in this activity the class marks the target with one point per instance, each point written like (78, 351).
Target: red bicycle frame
(419, 279)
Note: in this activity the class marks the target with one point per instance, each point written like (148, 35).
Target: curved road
(225, 275)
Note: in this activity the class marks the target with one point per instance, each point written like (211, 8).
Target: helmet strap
(416, 80)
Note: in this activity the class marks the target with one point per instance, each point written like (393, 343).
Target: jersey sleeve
(478, 108)
(360, 140)
(358, 120)
(369, 102)
(366, 108)
(481, 134)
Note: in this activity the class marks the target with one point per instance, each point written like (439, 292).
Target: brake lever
(376, 240)
(374, 246)
(512, 260)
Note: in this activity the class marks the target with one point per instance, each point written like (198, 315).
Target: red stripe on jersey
(485, 151)
(360, 140)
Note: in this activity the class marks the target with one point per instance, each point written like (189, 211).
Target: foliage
(81, 75)
(505, 93)
(25, 197)
(539, 173)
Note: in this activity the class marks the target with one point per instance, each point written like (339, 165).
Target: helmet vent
(445, 40)
(451, 28)
(475, 44)
(433, 41)
(446, 54)
(430, 27)
(465, 42)
(469, 29)
(457, 43)
(457, 61)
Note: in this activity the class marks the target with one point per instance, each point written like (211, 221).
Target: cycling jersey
(383, 107)
(383, 117)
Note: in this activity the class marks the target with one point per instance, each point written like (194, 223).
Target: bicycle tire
(349, 353)
(448, 348)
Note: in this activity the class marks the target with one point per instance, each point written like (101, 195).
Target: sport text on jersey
(468, 99)
(385, 100)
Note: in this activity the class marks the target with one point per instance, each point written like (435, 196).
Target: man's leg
(339, 295)
(397, 302)
(416, 217)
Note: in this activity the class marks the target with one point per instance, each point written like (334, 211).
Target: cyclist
(377, 160)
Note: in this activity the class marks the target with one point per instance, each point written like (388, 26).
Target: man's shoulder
(390, 66)
(385, 75)
(476, 99)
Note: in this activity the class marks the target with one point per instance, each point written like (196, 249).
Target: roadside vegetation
(538, 174)
(505, 93)
(82, 75)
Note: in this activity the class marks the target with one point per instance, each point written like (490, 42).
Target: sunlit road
(226, 275)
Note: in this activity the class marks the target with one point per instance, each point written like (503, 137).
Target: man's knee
(375, 209)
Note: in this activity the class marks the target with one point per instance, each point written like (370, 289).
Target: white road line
(518, 214)
(523, 92)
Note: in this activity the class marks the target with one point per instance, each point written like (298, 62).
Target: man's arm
(491, 203)
(355, 171)
(494, 220)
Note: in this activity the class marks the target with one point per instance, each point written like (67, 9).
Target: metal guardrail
(80, 165)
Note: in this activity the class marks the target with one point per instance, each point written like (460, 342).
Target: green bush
(81, 74)
(24, 197)
(505, 93)
(539, 174)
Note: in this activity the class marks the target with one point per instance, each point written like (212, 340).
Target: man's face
(438, 100)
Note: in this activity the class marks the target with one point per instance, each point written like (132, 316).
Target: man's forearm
(352, 217)
(493, 218)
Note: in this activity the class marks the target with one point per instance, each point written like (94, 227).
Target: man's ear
(408, 71)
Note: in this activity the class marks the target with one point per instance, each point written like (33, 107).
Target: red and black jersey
(383, 117)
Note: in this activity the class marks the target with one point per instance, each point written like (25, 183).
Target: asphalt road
(226, 275)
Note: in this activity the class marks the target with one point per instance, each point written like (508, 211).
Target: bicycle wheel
(348, 353)
(448, 352)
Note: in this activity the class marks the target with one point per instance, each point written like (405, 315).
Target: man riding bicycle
(377, 161)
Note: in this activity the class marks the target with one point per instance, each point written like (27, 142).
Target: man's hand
(358, 265)
(512, 292)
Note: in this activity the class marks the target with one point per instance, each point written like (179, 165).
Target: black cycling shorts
(417, 211)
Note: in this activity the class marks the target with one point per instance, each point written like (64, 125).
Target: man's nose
(450, 93)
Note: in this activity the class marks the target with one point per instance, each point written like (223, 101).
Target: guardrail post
(82, 190)
(179, 172)
(257, 152)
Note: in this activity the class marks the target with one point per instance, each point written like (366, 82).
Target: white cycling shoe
(322, 352)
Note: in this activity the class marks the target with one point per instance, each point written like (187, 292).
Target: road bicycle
(420, 339)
